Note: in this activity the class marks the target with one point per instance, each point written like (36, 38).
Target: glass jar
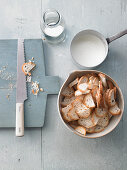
(53, 26)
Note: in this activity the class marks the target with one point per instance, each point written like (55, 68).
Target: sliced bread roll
(106, 95)
(81, 129)
(98, 129)
(109, 115)
(65, 111)
(68, 100)
(90, 130)
(79, 93)
(67, 108)
(98, 98)
(73, 115)
(110, 84)
(81, 109)
(82, 87)
(95, 119)
(96, 81)
(83, 79)
(100, 87)
(100, 112)
(73, 124)
(103, 79)
(114, 110)
(104, 103)
(115, 90)
(74, 82)
(88, 101)
(104, 121)
(81, 97)
(68, 92)
(75, 87)
(94, 92)
(87, 122)
(111, 98)
(92, 82)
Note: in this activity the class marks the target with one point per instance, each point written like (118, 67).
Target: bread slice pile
(89, 102)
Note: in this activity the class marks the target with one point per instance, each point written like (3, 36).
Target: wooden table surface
(53, 147)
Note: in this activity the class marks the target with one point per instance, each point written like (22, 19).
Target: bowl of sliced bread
(90, 103)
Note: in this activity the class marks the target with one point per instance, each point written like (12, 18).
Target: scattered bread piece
(81, 130)
(35, 88)
(103, 79)
(88, 101)
(114, 110)
(74, 82)
(73, 115)
(68, 92)
(110, 84)
(88, 123)
(98, 129)
(28, 67)
(41, 89)
(111, 98)
(101, 112)
(28, 79)
(103, 121)
(90, 130)
(68, 100)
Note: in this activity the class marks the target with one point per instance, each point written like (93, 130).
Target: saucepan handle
(120, 34)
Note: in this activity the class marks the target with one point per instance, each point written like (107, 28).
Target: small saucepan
(89, 48)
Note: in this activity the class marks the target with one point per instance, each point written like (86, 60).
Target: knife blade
(21, 91)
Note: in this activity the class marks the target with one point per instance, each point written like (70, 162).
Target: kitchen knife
(21, 91)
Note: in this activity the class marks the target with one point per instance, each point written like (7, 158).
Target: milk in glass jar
(53, 26)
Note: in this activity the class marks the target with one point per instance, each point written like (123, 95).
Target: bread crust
(111, 102)
(71, 92)
(110, 84)
(81, 127)
(105, 111)
(114, 114)
(96, 130)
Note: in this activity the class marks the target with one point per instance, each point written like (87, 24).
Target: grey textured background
(53, 147)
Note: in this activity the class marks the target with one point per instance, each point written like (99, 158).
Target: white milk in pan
(89, 50)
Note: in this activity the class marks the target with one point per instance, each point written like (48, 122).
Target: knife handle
(19, 119)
